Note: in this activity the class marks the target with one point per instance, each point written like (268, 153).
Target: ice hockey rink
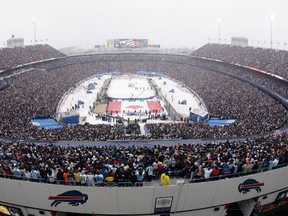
(131, 96)
(129, 86)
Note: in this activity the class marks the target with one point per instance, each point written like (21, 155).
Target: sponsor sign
(163, 204)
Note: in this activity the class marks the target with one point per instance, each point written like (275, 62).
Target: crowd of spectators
(269, 82)
(36, 93)
(12, 57)
(275, 84)
(269, 60)
(96, 165)
(227, 98)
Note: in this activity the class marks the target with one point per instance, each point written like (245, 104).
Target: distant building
(15, 42)
(239, 41)
(110, 43)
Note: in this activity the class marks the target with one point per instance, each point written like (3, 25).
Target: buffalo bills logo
(250, 184)
(73, 198)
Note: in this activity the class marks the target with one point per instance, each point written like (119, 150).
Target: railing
(155, 182)
(72, 182)
(237, 174)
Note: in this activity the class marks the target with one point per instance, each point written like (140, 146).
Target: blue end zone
(220, 122)
(46, 123)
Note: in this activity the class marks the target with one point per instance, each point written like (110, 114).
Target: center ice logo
(73, 198)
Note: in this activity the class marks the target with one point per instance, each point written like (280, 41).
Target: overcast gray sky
(171, 23)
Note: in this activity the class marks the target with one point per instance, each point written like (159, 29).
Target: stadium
(116, 113)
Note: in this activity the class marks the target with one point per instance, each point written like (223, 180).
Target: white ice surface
(124, 87)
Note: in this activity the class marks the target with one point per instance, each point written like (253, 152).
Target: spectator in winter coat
(164, 179)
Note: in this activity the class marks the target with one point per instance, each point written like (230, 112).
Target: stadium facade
(207, 198)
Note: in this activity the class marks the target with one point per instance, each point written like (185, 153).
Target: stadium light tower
(271, 20)
(219, 21)
(34, 19)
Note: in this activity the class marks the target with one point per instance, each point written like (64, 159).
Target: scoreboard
(128, 43)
